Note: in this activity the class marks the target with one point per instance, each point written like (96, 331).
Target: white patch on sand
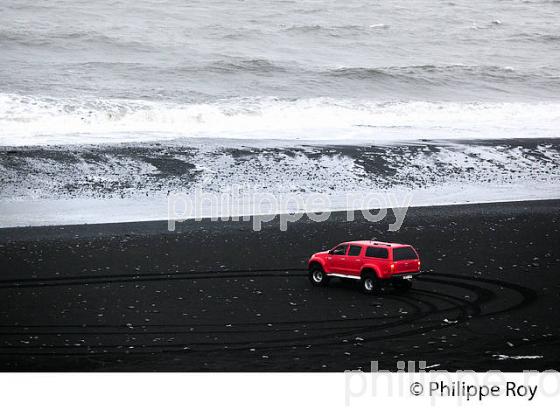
(506, 357)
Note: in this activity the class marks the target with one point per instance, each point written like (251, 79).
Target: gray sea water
(76, 71)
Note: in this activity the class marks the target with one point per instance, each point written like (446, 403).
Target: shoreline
(78, 212)
(336, 214)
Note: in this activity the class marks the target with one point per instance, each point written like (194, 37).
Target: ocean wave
(550, 37)
(434, 74)
(30, 120)
(240, 65)
(64, 38)
(438, 74)
(457, 71)
(536, 37)
(224, 66)
(330, 29)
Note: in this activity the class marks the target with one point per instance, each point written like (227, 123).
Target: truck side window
(354, 250)
(377, 253)
(340, 250)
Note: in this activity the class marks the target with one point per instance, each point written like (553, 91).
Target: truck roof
(370, 242)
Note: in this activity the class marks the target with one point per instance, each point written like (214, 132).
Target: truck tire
(317, 277)
(369, 283)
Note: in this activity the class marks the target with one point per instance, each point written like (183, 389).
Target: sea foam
(31, 120)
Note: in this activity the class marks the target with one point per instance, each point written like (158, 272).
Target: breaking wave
(31, 120)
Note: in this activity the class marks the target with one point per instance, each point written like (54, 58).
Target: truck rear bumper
(404, 276)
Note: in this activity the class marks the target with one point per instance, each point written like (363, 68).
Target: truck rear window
(401, 254)
(377, 253)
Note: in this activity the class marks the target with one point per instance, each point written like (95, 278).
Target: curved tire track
(427, 306)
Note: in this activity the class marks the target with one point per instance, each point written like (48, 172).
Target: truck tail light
(392, 267)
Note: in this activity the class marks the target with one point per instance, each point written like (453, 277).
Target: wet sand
(219, 296)
(139, 170)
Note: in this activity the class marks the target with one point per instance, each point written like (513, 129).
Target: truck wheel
(369, 284)
(317, 277)
(402, 285)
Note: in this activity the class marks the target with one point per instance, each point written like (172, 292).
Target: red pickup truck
(373, 263)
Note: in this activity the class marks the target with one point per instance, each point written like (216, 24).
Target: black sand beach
(219, 296)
